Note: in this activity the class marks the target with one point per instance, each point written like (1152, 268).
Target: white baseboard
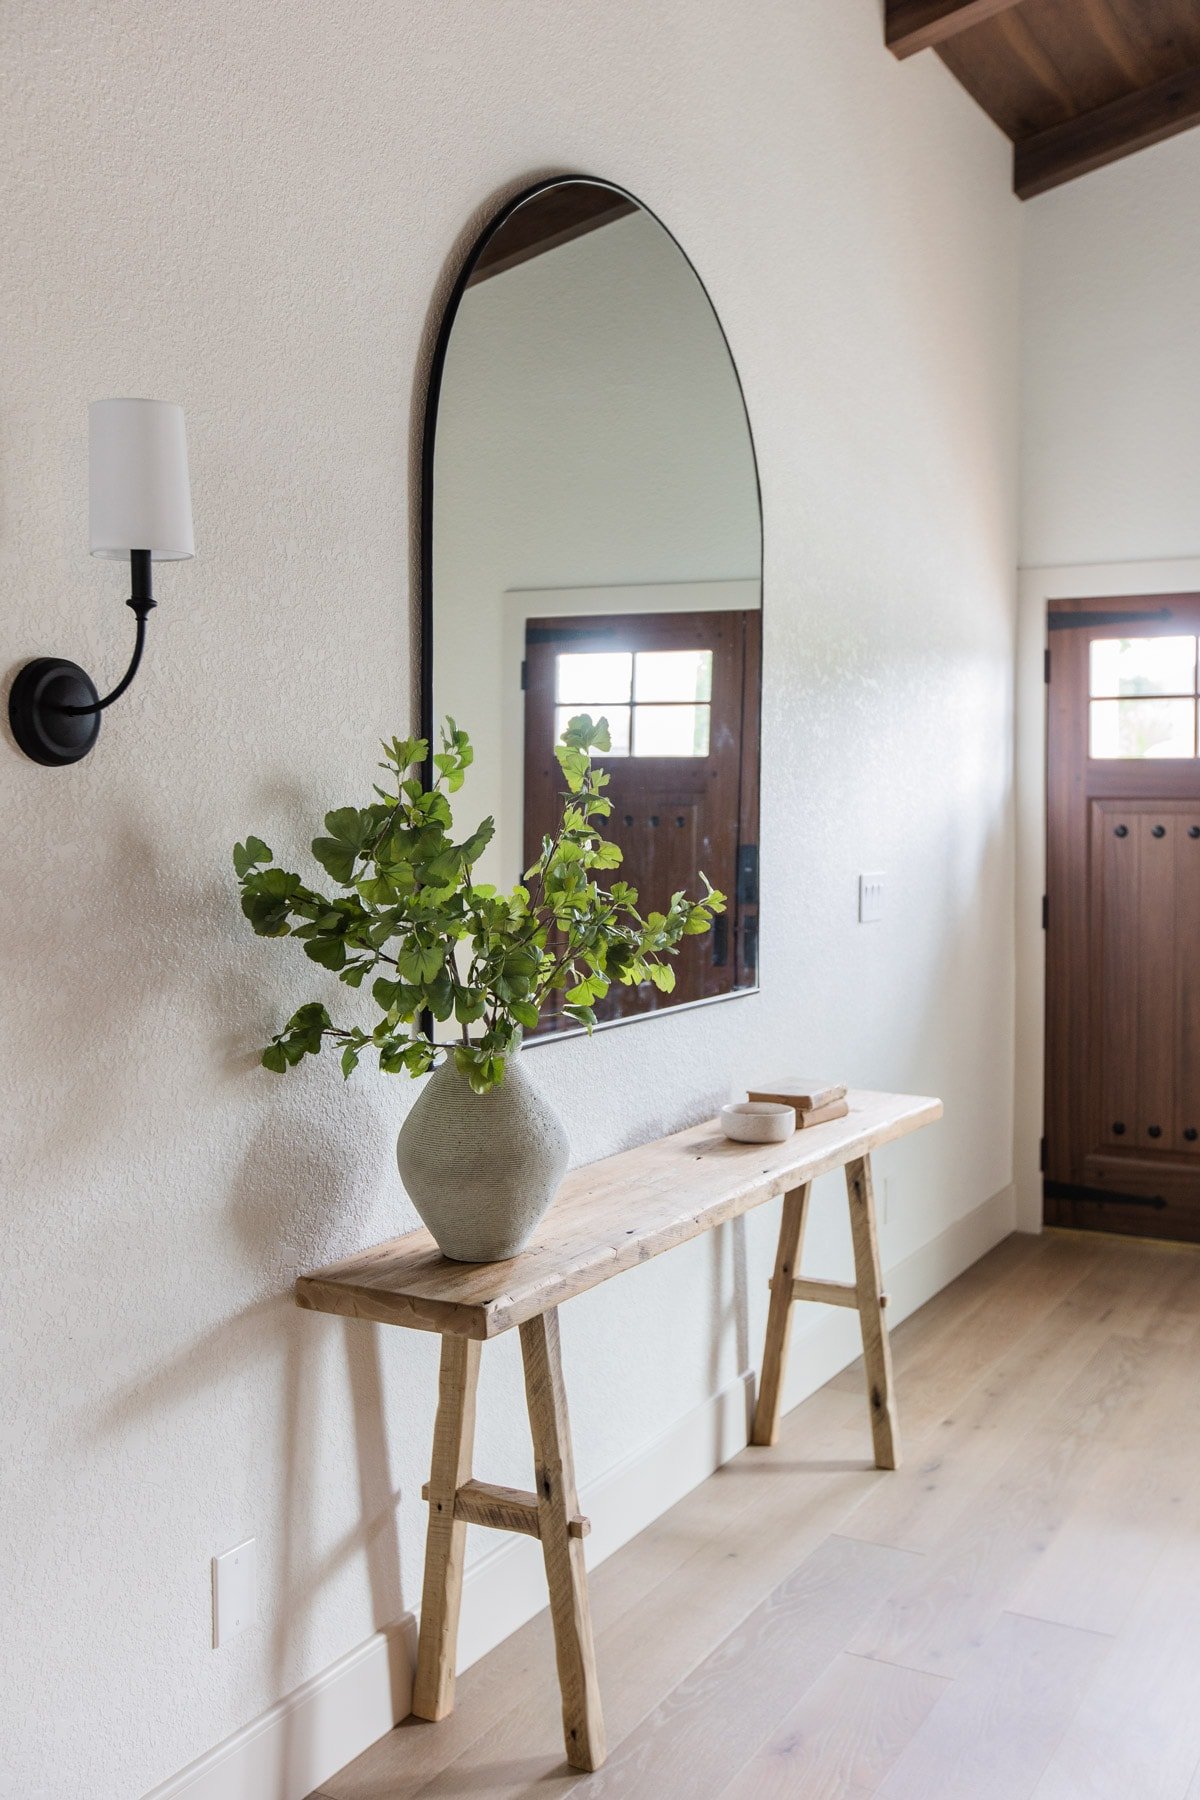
(311, 1733)
(306, 1737)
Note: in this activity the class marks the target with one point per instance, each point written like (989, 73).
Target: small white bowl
(758, 1122)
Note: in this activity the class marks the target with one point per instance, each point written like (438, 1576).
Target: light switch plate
(870, 899)
(235, 1592)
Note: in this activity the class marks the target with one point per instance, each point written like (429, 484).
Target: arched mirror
(593, 543)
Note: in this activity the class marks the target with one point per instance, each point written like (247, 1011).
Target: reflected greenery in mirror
(412, 915)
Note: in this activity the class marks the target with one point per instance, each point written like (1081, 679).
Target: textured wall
(1110, 453)
(250, 210)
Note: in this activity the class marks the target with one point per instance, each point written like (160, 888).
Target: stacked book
(814, 1101)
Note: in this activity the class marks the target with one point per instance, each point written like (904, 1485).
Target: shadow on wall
(269, 1334)
(263, 1209)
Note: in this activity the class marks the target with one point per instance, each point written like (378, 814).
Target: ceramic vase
(481, 1169)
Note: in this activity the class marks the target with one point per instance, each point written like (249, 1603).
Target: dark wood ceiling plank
(912, 25)
(1074, 83)
(1108, 132)
(1097, 58)
(1007, 69)
(1132, 56)
(1167, 32)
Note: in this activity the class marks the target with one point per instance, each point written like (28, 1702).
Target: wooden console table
(607, 1216)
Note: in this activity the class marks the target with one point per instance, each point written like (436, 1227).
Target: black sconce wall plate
(44, 732)
(54, 707)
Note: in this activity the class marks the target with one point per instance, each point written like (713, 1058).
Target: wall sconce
(140, 507)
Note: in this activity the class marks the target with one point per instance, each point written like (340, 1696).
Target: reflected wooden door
(680, 691)
(1122, 1148)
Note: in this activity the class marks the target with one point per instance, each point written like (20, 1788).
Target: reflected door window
(657, 702)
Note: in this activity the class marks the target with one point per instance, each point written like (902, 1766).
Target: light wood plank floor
(1016, 1612)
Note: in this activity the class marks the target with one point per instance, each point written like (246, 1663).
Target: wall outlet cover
(870, 899)
(234, 1592)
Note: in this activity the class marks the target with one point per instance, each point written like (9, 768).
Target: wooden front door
(678, 690)
(1122, 1148)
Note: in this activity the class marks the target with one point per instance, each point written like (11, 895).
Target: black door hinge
(1042, 1155)
(524, 676)
(1046, 667)
(1091, 621)
(1045, 912)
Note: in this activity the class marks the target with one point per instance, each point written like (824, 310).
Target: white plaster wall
(1110, 451)
(250, 210)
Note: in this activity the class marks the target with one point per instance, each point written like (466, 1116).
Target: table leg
(453, 1441)
(566, 1576)
(868, 1279)
(779, 1316)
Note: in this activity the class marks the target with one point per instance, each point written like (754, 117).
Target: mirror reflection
(595, 546)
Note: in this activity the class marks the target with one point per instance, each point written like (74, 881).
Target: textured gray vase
(481, 1169)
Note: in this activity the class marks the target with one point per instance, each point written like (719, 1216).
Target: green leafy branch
(411, 915)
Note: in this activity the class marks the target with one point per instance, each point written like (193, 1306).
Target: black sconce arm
(142, 602)
(54, 708)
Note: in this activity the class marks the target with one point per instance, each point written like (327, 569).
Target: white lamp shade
(138, 479)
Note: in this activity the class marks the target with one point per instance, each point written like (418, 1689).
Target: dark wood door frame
(1147, 1189)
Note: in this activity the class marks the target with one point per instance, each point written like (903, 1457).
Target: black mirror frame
(433, 393)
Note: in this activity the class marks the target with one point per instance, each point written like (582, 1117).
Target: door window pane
(1142, 728)
(673, 675)
(590, 679)
(657, 702)
(671, 730)
(1135, 666)
(618, 725)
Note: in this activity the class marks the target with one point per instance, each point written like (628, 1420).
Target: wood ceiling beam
(912, 25)
(1095, 138)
